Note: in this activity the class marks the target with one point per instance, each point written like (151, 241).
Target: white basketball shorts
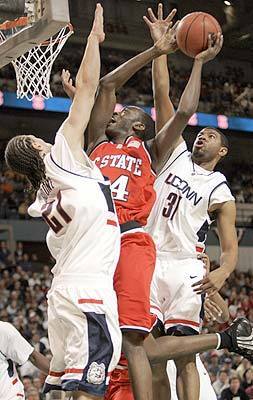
(172, 297)
(84, 337)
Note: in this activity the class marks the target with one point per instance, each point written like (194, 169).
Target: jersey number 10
(172, 205)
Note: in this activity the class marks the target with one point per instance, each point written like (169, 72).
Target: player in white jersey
(189, 196)
(216, 309)
(75, 200)
(15, 350)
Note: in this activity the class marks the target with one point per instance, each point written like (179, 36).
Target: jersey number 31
(172, 204)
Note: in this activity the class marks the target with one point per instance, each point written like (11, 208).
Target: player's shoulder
(99, 147)
(7, 329)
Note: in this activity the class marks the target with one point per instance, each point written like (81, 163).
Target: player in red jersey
(117, 144)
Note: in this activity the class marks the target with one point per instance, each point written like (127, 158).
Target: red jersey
(128, 166)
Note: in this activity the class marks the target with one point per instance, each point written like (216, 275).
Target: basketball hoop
(33, 69)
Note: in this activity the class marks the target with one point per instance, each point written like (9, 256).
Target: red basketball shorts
(119, 386)
(132, 282)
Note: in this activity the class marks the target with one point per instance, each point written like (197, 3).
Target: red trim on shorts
(182, 321)
(73, 371)
(90, 301)
(20, 395)
(199, 249)
(111, 222)
(56, 374)
(14, 381)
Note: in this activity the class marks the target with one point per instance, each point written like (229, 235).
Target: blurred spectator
(234, 392)
(224, 93)
(247, 382)
(221, 383)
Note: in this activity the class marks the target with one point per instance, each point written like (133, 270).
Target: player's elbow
(185, 113)
(106, 84)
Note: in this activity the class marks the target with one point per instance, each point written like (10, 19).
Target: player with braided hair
(75, 200)
(22, 157)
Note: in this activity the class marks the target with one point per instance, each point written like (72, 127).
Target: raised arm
(86, 85)
(160, 73)
(163, 143)
(109, 84)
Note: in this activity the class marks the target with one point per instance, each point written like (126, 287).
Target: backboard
(46, 18)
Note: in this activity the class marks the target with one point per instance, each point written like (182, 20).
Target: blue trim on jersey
(216, 187)
(72, 173)
(172, 162)
(202, 232)
(100, 352)
(106, 190)
(47, 388)
(181, 330)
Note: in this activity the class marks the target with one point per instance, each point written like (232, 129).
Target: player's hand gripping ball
(193, 32)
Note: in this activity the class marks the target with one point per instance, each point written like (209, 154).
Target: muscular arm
(40, 361)
(170, 134)
(162, 145)
(109, 84)
(161, 89)
(86, 85)
(106, 96)
(226, 216)
(228, 238)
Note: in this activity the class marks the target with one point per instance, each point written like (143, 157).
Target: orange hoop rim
(16, 23)
(22, 22)
(54, 41)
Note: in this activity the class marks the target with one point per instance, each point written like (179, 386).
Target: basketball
(193, 30)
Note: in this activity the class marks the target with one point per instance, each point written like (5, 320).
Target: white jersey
(14, 349)
(179, 220)
(77, 205)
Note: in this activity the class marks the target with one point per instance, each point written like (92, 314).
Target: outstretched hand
(214, 47)
(211, 283)
(98, 24)
(158, 26)
(67, 84)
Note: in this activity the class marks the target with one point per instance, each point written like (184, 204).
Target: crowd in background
(15, 197)
(226, 93)
(23, 289)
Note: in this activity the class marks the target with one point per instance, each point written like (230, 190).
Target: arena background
(226, 102)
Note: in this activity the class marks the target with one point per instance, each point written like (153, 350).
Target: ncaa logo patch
(96, 373)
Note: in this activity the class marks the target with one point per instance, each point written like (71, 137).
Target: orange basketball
(193, 30)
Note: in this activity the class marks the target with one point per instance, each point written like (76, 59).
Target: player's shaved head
(147, 120)
(131, 120)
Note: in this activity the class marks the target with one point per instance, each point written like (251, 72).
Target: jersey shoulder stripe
(70, 172)
(216, 187)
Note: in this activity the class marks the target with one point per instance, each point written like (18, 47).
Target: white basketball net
(33, 69)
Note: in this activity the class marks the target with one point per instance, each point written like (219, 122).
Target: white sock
(219, 341)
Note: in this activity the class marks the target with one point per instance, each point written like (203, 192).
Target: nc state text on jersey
(120, 161)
